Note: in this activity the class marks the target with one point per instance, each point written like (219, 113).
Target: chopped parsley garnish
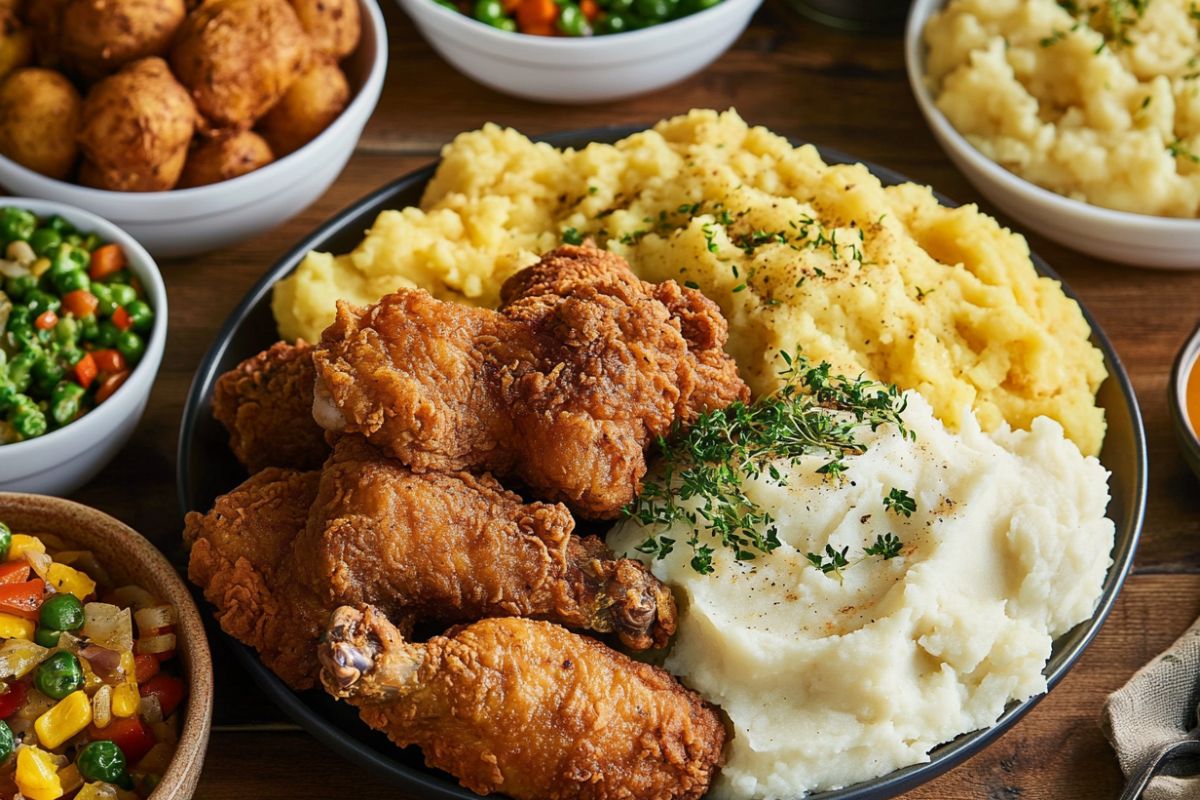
(887, 546)
(901, 502)
(814, 412)
(572, 236)
(1179, 150)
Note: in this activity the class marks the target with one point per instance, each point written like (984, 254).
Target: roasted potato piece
(238, 57)
(97, 37)
(334, 26)
(16, 43)
(312, 102)
(137, 124)
(224, 157)
(39, 118)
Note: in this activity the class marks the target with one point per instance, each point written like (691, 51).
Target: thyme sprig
(814, 411)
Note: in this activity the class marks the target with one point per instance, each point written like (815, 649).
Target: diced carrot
(46, 320)
(510, 5)
(110, 385)
(107, 260)
(536, 16)
(80, 302)
(109, 361)
(22, 599)
(590, 9)
(540, 29)
(14, 571)
(85, 370)
(122, 319)
(145, 667)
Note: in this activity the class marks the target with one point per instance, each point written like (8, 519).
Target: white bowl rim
(568, 44)
(140, 201)
(107, 412)
(918, 15)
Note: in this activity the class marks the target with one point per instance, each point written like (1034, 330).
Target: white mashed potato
(831, 682)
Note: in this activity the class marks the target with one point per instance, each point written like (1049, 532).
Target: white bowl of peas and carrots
(580, 51)
(105, 672)
(83, 323)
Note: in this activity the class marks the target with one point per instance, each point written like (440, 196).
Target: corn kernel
(22, 544)
(125, 700)
(68, 579)
(37, 775)
(97, 791)
(16, 628)
(70, 778)
(68, 717)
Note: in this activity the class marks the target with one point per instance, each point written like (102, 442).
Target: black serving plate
(206, 469)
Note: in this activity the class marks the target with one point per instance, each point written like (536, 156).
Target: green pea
(58, 675)
(89, 328)
(59, 224)
(123, 294)
(488, 10)
(653, 10)
(66, 332)
(141, 313)
(16, 288)
(123, 276)
(70, 281)
(38, 301)
(65, 402)
(46, 637)
(105, 307)
(132, 346)
(19, 317)
(5, 540)
(572, 22)
(506, 24)
(8, 742)
(74, 239)
(91, 242)
(20, 367)
(613, 23)
(28, 421)
(16, 223)
(101, 760)
(47, 372)
(8, 394)
(63, 612)
(107, 334)
(44, 240)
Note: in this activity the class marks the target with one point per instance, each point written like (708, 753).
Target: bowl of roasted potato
(190, 125)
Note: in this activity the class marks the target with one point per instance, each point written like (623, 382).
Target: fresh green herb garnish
(901, 502)
(833, 561)
(572, 236)
(887, 546)
(813, 412)
(1179, 150)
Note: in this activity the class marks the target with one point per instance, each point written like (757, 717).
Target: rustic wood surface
(843, 90)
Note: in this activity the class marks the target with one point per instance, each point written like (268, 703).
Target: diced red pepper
(131, 735)
(14, 571)
(167, 688)
(46, 320)
(22, 599)
(85, 370)
(110, 385)
(13, 698)
(145, 667)
(121, 318)
(106, 260)
(109, 361)
(80, 302)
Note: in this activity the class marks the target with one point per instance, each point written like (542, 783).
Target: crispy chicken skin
(241, 557)
(564, 387)
(265, 403)
(525, 708)
(457, 547)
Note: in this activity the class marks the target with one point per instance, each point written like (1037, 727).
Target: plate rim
(442, 787)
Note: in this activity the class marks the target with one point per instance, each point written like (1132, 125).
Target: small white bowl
(61, 461)
(189, 221)
(589, 69)
(1139, 240)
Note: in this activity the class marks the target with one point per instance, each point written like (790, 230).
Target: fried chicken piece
(241, 557)
(525, 708)
(265, 403)
(456, 547)
(564, 387)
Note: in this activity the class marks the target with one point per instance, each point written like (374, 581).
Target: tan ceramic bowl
(130, 558)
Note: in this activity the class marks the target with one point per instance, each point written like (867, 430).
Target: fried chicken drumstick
(564, 387)
(265, 403)
(525, 708)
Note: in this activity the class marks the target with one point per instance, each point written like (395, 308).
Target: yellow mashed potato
(800, 255)
(1095, 101)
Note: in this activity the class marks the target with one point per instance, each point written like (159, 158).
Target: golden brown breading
(241, 558)
(526, 708)
(564, 387)
(456, 547)
(265, 403)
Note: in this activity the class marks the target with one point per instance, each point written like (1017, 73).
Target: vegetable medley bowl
(206, 468)
(583, 69)
(83, 337)
(136, 659)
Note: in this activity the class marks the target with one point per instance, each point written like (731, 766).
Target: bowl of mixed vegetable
(580, 51)
(82, 328)
(105, 673)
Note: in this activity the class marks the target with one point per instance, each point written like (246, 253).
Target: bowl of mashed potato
(1081, 122)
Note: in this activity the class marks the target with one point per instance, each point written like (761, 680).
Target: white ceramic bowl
(189, 221)
(61, 461)
(581, 70)
(1136, 239)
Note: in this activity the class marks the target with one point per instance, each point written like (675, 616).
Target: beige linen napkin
(1156, 707)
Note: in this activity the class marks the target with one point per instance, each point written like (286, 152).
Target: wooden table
(842, 90)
